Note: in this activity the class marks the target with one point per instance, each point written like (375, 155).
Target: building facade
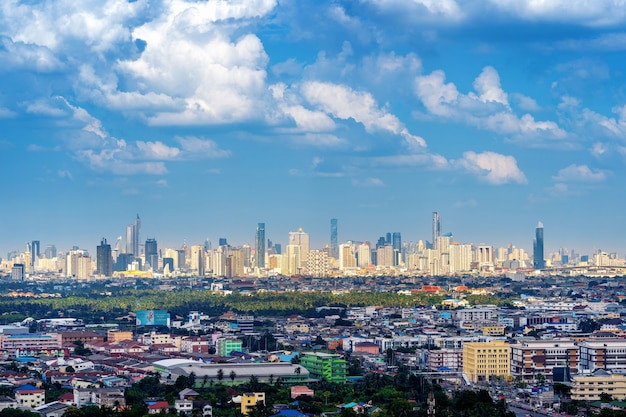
(483, 360)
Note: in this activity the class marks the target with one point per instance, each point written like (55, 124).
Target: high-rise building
(17, 272)
(301, 239)
(436, 227)
(260, 246)
(51, 251)
(132, 237)
(152, 254)
(104, 259)
(538, 258)
(334, 249)
(222, 241)
(396, 243)
(317, 263)
(35, 250)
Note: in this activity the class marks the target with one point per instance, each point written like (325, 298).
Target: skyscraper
(396, 242)
(260, 246)
(152, 254)
(104, 259)
(436, 227)
(538, 259)
(35, 251)
(132, 237)
(334, 249)
(300, 239)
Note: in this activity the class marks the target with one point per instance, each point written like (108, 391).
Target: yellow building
(118, 336)
(493, 329)
(251, 399)
(589, 387)
(481, 360)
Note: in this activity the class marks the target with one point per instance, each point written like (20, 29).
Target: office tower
(538, 259)
(123, 261)
(104, 259)
(247, 252)
(388, 239)
(385, 256)
(17, 272)
(334, 249)
(278, 248)
(301, 239)
(35, 250)
(197, 259)
(168, 264)
(50, 252)
(396, 242)
(223, 241)
(132, 237)
(436, 227)
(260, 246)
(152, 254)
(461, 257)
(291, 260)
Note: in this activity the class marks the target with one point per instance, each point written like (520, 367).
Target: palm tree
(220, 374)
(233, 375)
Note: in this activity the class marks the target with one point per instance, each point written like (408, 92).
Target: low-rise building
(590, 387)
(483, 360)
(325, 366)
(30, 396)
(249, 400)
(539, 357)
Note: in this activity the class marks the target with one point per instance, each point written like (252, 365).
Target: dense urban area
(292, 346)
(392, 329)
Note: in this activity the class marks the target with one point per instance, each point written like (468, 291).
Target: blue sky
(206, 117)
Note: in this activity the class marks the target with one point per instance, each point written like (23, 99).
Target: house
(30, 396)
(54, 409)
(158, 407)
(183, 406)
(7, 402)
(298, 390)
(249, 400)
(187, 394)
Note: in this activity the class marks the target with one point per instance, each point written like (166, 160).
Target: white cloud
(344, 103)
(422, 10)
(156, 150)
(579, 173)
(487, 85)
(368, 182)
(195, 147)
(583, 12)
(65, 174)
(487, 108)
(494, 168)
(6, 113)
(108, 160)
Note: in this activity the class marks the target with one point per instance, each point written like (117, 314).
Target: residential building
(444, 358)
(539, 357)
(30, 396)
(483, 360)
(590, 387)
(325, 366)
(20, 344)
(249, 400)
(607, 354)
(224, 346)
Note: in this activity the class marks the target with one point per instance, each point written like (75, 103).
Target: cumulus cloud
(344, 103)
(487, 108)
(579, 173)
(493, 167)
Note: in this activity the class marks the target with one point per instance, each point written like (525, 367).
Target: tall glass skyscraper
(104, 260)
(436, 227)
(334, 249)
(260, 245)
(152, 253)
(538, 258)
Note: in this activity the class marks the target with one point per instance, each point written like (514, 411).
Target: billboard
(153, 318)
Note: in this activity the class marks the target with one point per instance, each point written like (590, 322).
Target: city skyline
(293, 237)
(209, 117)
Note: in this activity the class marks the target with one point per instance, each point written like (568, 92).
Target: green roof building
(325, 366)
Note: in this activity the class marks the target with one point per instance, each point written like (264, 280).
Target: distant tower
(538, 258)
(334, 249)
(260, 246)
(104, 259)
(301, 240)
(396, 241)
(436, 227)
(132, 237)
(35, 251)
(152, 254)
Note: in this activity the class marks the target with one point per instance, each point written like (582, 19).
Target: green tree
(232, 376)
(220, 374)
